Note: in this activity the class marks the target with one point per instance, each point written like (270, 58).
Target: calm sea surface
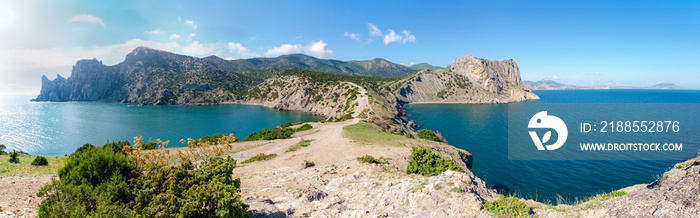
(482, 131)
(59, 128)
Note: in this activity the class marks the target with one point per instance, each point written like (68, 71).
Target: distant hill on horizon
(552, 85)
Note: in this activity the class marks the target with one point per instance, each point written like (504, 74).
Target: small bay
(58, 128)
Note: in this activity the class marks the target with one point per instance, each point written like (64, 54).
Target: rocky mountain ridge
(149, 76)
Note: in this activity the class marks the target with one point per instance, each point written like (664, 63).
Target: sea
(482, 130)
(58, 128)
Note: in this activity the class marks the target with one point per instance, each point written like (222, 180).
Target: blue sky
(636, 43)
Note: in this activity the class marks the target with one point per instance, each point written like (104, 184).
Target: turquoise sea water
(59, 128)
(482, 131)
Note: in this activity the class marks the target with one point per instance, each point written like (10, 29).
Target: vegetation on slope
(372, 160)
(24, 167)
(508, 207)
(102, 182)
(425, 162)
(428, 135)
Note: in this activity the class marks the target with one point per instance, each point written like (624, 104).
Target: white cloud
(240, 49)
(174, 36)
(86, 18)
(353, 36)
(192, 34)
(374, 30)
(155, 32)
(316, 49)
(191, 23)
(197, 49)
(407, 37)
(23, 67)
(22, 59)
(284, 49)
(392, 37)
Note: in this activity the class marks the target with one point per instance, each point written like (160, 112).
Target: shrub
(40, 161)
(507, 206)
(428, 134)
(427, 163)
(83, 148)
(2, 149)
(299, 145)
(260, 157)
(14, 156)
(410, 136)
(214, 139)
(149, 146)
(616, 194)
(183, 191)
(99, 182)
(117, 147)
(289, 124)
(93, 182)
(306, 126)
(267, 134)
(371, 160)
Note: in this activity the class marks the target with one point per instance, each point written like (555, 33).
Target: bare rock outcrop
(468, 80)
(675, 194)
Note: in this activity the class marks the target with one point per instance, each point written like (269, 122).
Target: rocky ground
(18, 195)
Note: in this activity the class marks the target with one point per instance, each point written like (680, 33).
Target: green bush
(428, 134)
(186, 192)
(93, 183)
(371, 160)
(410, 136)
(149, 146)
(507, 207)
(2, 149)
(267, 134)
(289, 124)
(83, 148)
(214, 139)
(260, 157)
(306, 126)
(117, 147)
(14, 156)
(99, 182)
(40, 161)
(299, 145)
(427, 163)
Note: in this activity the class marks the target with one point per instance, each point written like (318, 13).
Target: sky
(614, 43)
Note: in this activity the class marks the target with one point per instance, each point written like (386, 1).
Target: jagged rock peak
(88, 62)
(461, 60)
(140, 50)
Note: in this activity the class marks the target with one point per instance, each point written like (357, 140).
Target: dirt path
(362, 100)
(18, 195)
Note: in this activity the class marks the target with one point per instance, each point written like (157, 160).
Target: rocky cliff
(467, 80)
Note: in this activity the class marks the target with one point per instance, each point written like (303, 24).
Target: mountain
(552, 85)
(467, 80)
(149, 76)
(372, 68)
(424, 66)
